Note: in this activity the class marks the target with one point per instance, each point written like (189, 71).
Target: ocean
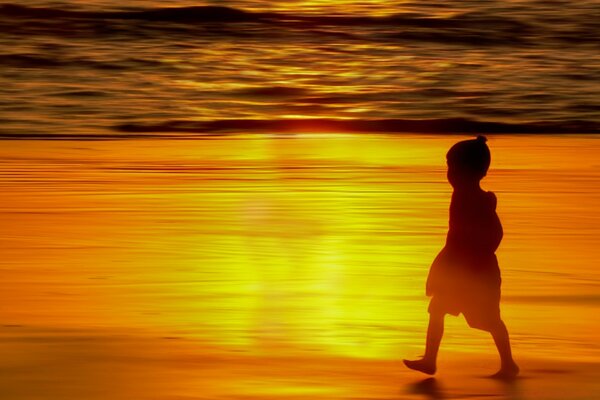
(103, 68)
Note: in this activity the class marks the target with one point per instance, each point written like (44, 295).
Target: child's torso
(474, 226)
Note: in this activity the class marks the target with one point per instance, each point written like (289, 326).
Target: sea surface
(107, 68)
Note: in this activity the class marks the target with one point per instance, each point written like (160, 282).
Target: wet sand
(62, 365)
(260, 267)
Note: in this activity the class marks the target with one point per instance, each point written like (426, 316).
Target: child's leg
(508, 368)
(435, 331)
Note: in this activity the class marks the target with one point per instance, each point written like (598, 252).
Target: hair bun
(482, 138)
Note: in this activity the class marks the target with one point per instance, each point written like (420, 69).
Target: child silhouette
(465, 277)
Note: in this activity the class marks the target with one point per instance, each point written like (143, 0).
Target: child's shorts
(481, 312)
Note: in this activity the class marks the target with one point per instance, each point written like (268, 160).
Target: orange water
(79, 68)
(306, 244)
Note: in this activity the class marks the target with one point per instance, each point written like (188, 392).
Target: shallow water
(308, 245)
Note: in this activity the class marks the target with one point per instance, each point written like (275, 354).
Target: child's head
(468, 161)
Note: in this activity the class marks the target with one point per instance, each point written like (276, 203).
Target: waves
(471, 28)
(431, 126)
(25, 60)
(182, 129)
(170, 14)
(156, 72)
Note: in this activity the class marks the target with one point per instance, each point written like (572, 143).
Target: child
(465, 277)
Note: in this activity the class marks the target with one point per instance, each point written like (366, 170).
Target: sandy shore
(260, 268)
(59, 364)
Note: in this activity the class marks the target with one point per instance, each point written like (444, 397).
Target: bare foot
(507, 373)
(421, 365)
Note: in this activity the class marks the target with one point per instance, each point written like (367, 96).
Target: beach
(241, 199)
(121, 366)
(271, 265)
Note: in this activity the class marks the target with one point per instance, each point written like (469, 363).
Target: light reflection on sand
(310, 247)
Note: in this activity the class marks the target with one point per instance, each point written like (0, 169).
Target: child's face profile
(452, 175)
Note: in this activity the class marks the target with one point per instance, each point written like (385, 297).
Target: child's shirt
(469, 256)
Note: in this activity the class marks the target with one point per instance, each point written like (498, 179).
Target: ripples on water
(88, 67)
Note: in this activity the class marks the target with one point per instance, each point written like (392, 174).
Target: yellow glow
(312, 243)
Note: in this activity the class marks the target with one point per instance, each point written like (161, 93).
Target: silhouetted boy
(465, 277)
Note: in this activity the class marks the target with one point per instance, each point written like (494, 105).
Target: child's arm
(495, 226)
